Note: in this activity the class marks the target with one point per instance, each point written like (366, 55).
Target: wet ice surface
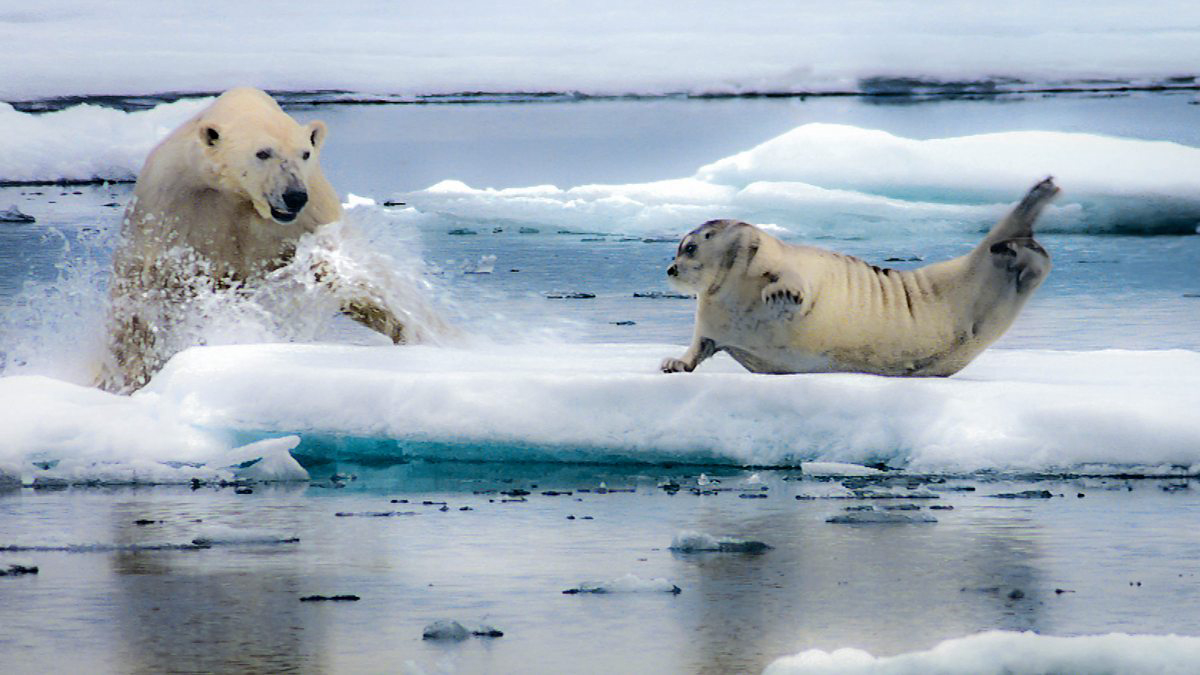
(1111, 560)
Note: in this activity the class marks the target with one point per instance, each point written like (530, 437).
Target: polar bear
(220, 203)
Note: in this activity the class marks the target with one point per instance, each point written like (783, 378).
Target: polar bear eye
(263, 154)
(306, 155)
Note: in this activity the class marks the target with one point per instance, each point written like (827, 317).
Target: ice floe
(1099, 413)
(820, 179)
(1010, 653)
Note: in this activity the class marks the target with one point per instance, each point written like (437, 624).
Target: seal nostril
(672, 271)
(295, 199)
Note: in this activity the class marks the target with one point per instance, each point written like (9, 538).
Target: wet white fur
(781, 308)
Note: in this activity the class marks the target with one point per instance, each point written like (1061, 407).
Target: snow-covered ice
(1010, 653)
(859, 182)
(85, 142)
(1011, 410)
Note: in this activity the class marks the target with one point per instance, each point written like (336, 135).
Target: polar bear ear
(210, 134)
(316, 133)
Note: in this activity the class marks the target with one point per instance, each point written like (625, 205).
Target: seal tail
(1018, 224)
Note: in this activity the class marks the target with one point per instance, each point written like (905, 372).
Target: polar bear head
(256, 150)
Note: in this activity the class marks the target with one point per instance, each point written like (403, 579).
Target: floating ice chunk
(15, 215)
(448, 629)
(630, 583)
(445, 629)
(880, 518)
(837, 469)
(10, 475)
(224, 535)
(268, 460)
(485, 265)
(353, 200)
(689, 541)
(1010, 653)
(13, 568)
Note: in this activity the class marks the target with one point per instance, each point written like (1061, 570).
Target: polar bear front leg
(362, 301)
(700, 349)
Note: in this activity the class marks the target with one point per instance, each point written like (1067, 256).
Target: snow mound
(1010, 653)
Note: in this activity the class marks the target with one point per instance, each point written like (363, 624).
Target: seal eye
(263, 154)
(306, 155)
(690, 249)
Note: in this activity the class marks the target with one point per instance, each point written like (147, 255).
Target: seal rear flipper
(1018, 224)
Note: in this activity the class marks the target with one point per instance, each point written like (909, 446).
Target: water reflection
(213, 610)
(884, 588)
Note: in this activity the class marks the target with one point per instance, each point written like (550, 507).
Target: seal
(781, 308)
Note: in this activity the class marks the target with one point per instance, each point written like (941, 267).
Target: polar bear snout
(287, 204)
(295, 199)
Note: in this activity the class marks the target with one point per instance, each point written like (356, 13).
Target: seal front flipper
(779, 293)
(700, 349)
(785, 292)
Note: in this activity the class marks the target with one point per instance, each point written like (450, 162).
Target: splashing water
(56, 327)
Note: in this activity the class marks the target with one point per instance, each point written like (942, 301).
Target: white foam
(617, 46)
(1010, 653)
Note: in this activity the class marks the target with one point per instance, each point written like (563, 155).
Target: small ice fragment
(18, 569)
(880, 517)
(330, 598)
(14, 215)
(689, 541)
(630, 583)
(267, 460)
(487, 631)
(837, 469)
(753, 479)
(485, 265)
(221, 535)
(445, 629)
(353, 200)
(1024, 494)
